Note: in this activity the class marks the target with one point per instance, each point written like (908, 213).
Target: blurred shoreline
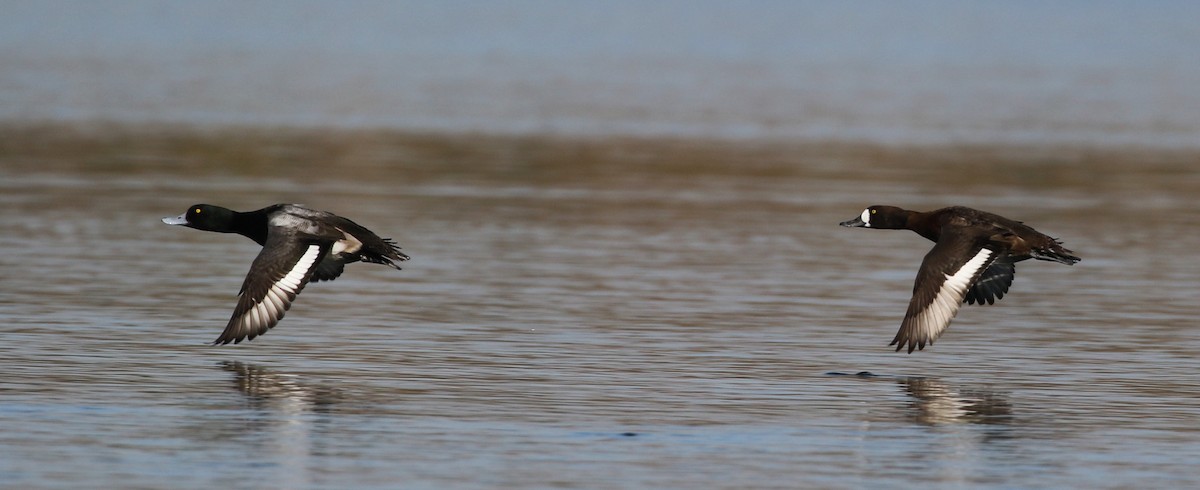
(1102, 74)
(204, 145)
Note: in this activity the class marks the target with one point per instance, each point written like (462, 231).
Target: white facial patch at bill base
(866, 217)
(270, 309)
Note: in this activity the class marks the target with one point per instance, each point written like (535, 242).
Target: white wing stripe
(260, 317)
(291, 281)
(270, 308)
(962, 279)
(286, 284)
(277, 303)
(257, 315)
(936, 317)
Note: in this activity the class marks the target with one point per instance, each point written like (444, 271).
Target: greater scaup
(973, 260)
(299, 245)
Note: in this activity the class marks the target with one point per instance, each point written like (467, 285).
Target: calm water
(588, 314)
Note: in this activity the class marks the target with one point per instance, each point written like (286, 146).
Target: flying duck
(973, 260)
(299, 245)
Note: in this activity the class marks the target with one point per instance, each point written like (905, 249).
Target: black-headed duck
(299, 245)
(973, 260)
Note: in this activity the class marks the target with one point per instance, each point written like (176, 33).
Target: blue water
(1107, 72)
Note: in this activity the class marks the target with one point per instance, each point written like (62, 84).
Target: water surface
(588, 313)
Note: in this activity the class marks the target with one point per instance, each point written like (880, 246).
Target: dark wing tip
(239, 330)
(227, 338)
(901, 341)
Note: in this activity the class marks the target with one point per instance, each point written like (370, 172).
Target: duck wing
(328, 269)
(358, 243)
(948, 271)
(993, 284)
(277, 275)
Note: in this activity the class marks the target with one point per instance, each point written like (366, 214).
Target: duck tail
(1056, 253)
(388, 256)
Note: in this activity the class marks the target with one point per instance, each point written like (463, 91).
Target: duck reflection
(932, 401)
(935, 402)
(286, 393)
(285, 420)
(271, 390)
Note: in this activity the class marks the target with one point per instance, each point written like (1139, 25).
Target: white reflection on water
(936, 402)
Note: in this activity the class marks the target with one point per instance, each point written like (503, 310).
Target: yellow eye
(873, 211)
(197, 210)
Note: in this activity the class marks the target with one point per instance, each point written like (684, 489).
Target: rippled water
(588, 314)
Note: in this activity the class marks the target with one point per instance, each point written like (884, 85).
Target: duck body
(973, 260)
(300, 245)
